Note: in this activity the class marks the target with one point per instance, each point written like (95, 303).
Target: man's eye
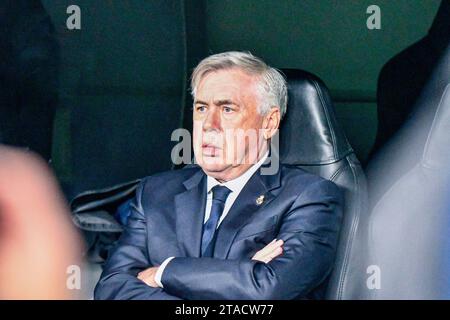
(200, 108)
(227, 110)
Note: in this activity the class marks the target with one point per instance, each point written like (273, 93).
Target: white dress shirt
(236, 185)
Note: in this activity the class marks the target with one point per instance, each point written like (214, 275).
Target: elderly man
(224, 229)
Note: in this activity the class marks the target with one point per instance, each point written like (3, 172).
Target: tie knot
(220, 193)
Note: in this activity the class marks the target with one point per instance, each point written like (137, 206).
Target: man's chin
(213, 168)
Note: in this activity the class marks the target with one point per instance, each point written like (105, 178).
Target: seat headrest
(309, 132)
(437, 148)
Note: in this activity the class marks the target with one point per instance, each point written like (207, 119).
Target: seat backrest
(405, 149)
(409, 225)
(311, 138)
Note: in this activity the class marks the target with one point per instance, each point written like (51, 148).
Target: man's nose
(212, 120)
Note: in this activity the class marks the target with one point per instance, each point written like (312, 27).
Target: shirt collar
(238, 183)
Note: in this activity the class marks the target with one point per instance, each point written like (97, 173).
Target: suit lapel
(190, 208)
(244, 207)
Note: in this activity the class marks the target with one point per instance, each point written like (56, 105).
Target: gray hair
(272, 84)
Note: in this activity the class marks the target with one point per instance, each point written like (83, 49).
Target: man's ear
(271, 122)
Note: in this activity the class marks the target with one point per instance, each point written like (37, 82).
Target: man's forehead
(226, 76)
(226, 84)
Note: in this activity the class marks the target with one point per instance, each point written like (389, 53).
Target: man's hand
(148, 276)
(269, 252)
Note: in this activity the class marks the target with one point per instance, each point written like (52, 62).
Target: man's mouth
(210, 150)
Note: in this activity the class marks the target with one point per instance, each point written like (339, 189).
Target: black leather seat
(311, 138)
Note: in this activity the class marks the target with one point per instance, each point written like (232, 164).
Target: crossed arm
(266, 254)
(309, 232)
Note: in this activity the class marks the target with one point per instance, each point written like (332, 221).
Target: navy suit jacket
(167, 218)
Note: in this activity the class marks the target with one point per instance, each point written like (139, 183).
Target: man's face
(225, 113)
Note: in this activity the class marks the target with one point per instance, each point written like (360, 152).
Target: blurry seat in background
(311, 139)
(404, 76)
(409, 184)
(408, 230)
(405, 149)
(408, 174)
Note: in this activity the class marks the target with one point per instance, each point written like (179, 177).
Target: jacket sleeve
(119, 278)
(310, 233)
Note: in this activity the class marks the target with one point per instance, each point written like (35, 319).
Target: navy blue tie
(220, 194)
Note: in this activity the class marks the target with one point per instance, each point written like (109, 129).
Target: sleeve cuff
(160, 271)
